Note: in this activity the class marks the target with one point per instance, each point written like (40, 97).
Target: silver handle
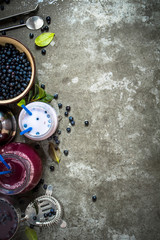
(13, 27)
(18, 14)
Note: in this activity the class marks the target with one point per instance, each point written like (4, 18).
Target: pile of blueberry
(15, 72)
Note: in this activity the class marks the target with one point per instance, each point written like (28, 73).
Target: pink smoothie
(26, 167)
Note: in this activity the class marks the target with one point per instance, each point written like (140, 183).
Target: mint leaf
(47, 98)
(22, 102)
(41, 94)
(44, 39)
(31, 234)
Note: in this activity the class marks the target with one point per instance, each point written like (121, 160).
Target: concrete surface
(104, 63)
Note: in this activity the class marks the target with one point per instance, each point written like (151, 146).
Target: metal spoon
(32, 23)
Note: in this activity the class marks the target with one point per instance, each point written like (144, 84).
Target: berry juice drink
(26, 168)
(43, 121)
(9, 220)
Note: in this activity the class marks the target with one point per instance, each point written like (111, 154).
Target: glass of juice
(9, 220)
(25, 165)
(43, 121)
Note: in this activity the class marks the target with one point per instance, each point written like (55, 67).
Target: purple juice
(26, 168)
(8, 220)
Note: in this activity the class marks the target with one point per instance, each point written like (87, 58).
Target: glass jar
(26, 168)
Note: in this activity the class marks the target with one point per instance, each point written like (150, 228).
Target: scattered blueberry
(68, 130)
(37, 146)
(73, 123)
(56, 148)
(50, 214)
(45, 215)
(68, 108)
(31, 226)
(52, 168)
(55, 96)
(21, 21)
(42, 29)
(42, 86)
(41, 181)
(66, 114)
(65, 152)
(46, 28)
(49, 139)
(94, 198)
(86, 123)
(48, 19)
(60, 105)
(59, 132)
(70, 118)
(43, 51)
(2, 7)
(57, 142)
(31, 35)
(45, 186)
(51, 210)
(34, 218)
(22, 215)
(3, 32)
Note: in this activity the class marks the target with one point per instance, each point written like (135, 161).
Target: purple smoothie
(8, 220)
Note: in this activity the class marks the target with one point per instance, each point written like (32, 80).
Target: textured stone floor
(104, 63)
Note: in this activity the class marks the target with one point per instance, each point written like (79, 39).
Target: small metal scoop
(32, 23)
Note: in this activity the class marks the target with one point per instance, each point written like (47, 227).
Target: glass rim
(27, 166)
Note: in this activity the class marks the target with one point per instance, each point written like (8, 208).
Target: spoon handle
(21, 13)
(12, 27)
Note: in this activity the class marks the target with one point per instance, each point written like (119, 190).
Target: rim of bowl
(17, 98)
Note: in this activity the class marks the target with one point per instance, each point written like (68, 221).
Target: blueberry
(60, 105)
(2, 7)
(86, 123)
(22, 215)
(50, 214)
(94, 198)
(66, 114)
(55, 96)
(41, 181)
(7, 1)
(43, 51)
(70, 118)
(57, 142)
(59, 132)
(68, 130)
(31, 226)
(52, 168)
(68, 108)
(3, 32)
(46, 28)
(72, 123)
(31, 35)
(34, 218)
(65, 152)
(21, 21)
(48, 18)
(42, 86)
(42, 29)
(51, 210)
(45, 186)
(45, 215)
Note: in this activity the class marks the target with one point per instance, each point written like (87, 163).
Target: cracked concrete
(104, 63)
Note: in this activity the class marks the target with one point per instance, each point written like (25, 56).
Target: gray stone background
(104, 63)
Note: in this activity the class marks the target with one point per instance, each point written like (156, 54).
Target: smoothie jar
(25, 165)
(9, 219)
(42, 121)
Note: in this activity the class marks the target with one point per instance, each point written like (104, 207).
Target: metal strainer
(45, 211)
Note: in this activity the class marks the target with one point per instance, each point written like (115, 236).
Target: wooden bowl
(22, 48)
